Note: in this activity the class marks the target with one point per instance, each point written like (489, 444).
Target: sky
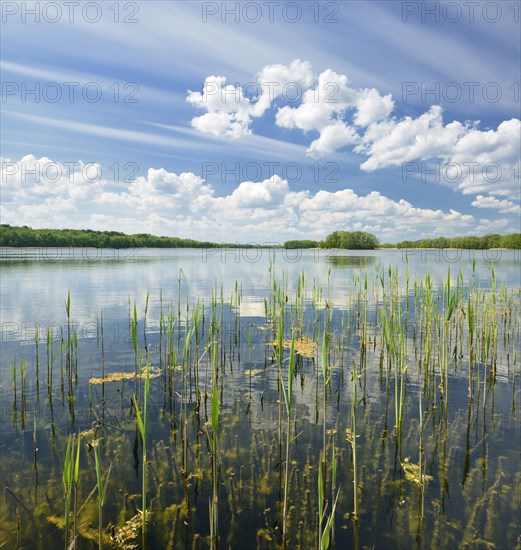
(260, 122)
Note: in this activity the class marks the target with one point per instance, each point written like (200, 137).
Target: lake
(276, 397)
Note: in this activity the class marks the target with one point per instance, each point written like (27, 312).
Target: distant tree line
(360, 240)
(26, 236)
(356, 240)
(475, 243)
(302, 244)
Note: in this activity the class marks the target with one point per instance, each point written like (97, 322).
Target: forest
(476, 243)
(24, 236)
(360, 240)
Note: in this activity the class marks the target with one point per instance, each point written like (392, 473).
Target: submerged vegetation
(387, 418)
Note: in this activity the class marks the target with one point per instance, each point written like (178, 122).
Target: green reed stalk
(451, 301)
(324, 536)
(68, 351)
(184, 417)
(23, 376)
(470, 344)
(102, 489)
(75, 349)
(50, 356)
(421, 455)
(134, 335)
(36, 357)
(333, 489)
(142, 425)
(403, 370)
(102, 355)
(354, 446)
(70, 475)
(213, 440)
(35, 447)
(196, 316)
(287, 393)
(248, 333)
(145, 314)
(326, 377)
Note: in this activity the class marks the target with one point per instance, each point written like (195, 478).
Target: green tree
(301, 244)
(358, 240)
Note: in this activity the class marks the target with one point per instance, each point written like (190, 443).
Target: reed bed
(388, 420)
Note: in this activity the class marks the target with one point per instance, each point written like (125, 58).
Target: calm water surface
(470, 431)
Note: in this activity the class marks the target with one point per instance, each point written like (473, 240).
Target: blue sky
(323, 126)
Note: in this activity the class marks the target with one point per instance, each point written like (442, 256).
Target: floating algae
(413, 473)
(154, 372)
(303, 346)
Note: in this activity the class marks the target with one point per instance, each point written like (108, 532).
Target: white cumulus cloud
(341, 116)
(503, 206)
(165, 203)
(231, 107)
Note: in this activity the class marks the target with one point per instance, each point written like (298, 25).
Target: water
(470, 438)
